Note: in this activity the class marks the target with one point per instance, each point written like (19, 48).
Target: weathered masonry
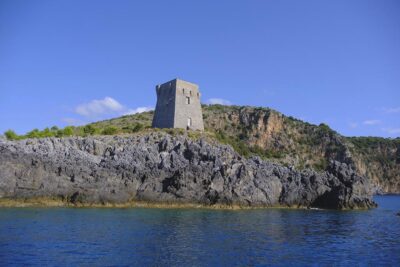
(178, 106)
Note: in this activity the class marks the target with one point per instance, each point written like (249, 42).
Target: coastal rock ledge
(161, 168)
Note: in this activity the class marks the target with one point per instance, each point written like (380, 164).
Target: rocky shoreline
(170, 170)
(51, 202)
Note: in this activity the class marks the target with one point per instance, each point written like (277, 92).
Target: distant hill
(274, 136)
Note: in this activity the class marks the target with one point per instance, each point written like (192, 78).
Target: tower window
(189, 122)
(183, 90)
(190, 92)
(188, 100)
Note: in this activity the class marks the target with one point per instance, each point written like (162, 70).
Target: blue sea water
(196, 237)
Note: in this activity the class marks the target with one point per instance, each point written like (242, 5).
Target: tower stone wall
(178, 106)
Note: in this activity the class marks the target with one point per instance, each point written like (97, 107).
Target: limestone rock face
(304, 145)
(163, 168)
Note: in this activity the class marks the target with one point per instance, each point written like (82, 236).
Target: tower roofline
(177, 80)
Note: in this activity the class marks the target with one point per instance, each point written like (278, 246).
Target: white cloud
(97, 107)
(101, 108)
(219, 101)
(371, 122)
(391, 110)
(138, 110)
(392, 130)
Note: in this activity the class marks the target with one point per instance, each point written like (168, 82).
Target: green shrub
(110, 130)
(194, 135)
(68, 131)
(241, 148)
(54, 129)
(321, 165)
(11, 135)
(137, 127)
(46, 133)
(221, 137)
(325, 128)
(216, 107)
(59, 133)
(140, 116)
(89, 129)
(35, 133)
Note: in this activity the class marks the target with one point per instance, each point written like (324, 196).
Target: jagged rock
(159, 167)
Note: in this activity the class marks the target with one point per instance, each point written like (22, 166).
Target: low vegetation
(46, 132)
(122, 125)
(83, 131)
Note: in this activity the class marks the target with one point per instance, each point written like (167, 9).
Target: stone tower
(178, 106)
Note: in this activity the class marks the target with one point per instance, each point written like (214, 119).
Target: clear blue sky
(73, 61)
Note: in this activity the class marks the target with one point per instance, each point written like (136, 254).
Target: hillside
(274, 136)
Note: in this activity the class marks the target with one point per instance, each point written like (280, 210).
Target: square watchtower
(178, 106)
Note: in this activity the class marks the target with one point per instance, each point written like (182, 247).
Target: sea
(201, 237)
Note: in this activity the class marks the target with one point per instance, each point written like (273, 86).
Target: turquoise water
(68, 236)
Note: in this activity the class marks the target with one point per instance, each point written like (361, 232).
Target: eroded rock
(159, 167)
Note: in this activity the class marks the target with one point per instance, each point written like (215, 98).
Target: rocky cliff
(160, 167)
(266, 133)
(271, 135)
(296, 143)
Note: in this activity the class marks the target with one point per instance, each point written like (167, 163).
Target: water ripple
(184, 237)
